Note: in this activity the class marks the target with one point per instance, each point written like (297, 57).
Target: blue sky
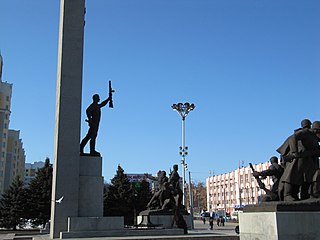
(251, 68)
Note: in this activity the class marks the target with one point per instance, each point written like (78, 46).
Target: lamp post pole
(183, 109)
(183, 153)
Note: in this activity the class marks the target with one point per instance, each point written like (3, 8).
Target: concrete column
(68, 115)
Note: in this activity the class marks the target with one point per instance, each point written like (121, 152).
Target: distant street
(200, 228)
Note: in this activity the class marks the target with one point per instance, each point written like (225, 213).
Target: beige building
(15, 159)
(31, 170)
(12, 155)
(231, 191)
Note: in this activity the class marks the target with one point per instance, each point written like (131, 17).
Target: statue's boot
(315, 185)
(304, 192)
(82, 144)
(95, 153)
(290, 192)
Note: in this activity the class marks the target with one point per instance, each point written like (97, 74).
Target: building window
(4, 144)
(7, 107)
(7, 98)
(3, 154)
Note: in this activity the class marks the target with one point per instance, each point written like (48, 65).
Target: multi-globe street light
(183, 109)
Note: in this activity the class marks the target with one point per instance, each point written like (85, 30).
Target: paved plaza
(201, 231)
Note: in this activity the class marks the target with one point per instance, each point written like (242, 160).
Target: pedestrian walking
(222, 221)
(211, 223)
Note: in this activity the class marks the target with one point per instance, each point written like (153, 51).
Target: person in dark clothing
(179, 220)
(211, 223)
(222, 221)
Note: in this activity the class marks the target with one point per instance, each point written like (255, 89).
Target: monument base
(92, 226)
(123, 233)
(163, 218)
(90, 187)
(280, 221)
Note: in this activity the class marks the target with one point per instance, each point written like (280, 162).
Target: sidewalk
(200, 232)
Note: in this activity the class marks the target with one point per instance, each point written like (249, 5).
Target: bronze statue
(93, 114)
(275, 171)
(174, 180)
(300, 154)
(169, 194)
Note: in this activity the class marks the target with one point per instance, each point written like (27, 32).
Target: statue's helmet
(274, 159)
(305, 123)
(316, 125)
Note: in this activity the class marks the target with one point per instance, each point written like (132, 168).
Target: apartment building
(231, 191)
(15, 159)
(31, 170)
(12, 155)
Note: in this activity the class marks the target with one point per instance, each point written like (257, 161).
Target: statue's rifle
(111, 91)
(260, 183)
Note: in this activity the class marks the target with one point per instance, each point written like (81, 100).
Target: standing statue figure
(299, 154)
(93, 114)
(174, 180)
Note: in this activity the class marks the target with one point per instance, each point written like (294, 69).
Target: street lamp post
(225, 204)
(183, 109)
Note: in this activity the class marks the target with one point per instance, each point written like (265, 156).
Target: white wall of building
(231, 191)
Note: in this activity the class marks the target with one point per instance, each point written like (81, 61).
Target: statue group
(169, 194)
(167, 200)
(297, 177)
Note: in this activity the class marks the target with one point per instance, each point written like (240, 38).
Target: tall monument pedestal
(280, 221)
(90, 221)
(90, 187)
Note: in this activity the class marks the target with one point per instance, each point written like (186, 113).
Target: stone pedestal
(80, 227)
(165, 221)
(90, 187)
(161, 218)
(280, 221)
